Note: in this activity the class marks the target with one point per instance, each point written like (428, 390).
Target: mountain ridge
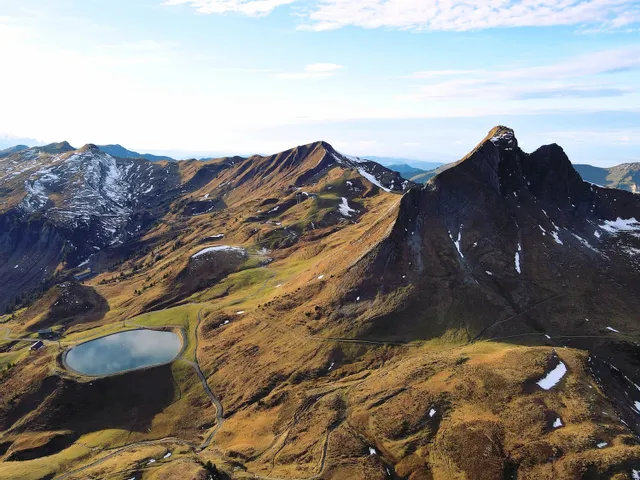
(346, 323)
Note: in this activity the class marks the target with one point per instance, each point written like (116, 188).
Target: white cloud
(313, 70)
(463, 15)
(252, 8)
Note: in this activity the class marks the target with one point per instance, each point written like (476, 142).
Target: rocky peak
(503, 137)
(495, 162)
(90, 147)
(499, 163)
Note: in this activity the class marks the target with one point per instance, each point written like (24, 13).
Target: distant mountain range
(625, 176)
(120, 152)
(9, 141)
(424, 165)
(8, 151)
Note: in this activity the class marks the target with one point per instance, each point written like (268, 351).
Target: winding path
(173, 440)
(119, 450)
(6, 337)
(218, 405)
(214, 399)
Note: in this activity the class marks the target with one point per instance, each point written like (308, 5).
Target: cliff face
(507, 243)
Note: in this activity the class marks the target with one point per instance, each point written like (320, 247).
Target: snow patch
(557, 238)
(552, 378)
(585, 243)
(372, 451)
(359, 165)
(621, 225)
(432, 412)
(517, 258)
(613, 329)
(557, 423)
(219, 248)
(457, 242)
(345, 209)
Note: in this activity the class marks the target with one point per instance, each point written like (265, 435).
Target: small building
(46, 333)
(37, 346)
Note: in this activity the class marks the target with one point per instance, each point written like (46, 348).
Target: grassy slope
(289, 389)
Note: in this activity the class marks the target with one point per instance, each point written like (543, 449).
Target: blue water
(124, 351)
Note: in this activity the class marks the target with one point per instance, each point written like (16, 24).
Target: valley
(336, 320)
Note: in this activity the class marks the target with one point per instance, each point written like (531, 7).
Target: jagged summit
(306, 164)
(499, 163)
(515, 215)
(502, 136)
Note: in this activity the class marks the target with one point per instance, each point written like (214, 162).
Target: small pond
(124, 351)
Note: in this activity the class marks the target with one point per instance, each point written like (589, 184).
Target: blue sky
(423, 79)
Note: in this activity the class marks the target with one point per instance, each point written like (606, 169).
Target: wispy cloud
(464, 15)
(252, 8)
(438, 15)
(313, 70)
(579, 77)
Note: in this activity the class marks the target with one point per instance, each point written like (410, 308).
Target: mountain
(63, 206)
(418, 175)
(424, 177)
(531, 221)
(8, 141)
(119, 151)
(625, 176)
(337, 320)
(405, 170)
(8, 151)
(419, 164)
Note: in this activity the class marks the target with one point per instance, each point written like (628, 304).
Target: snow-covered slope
(380, 176)
(88, 189)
